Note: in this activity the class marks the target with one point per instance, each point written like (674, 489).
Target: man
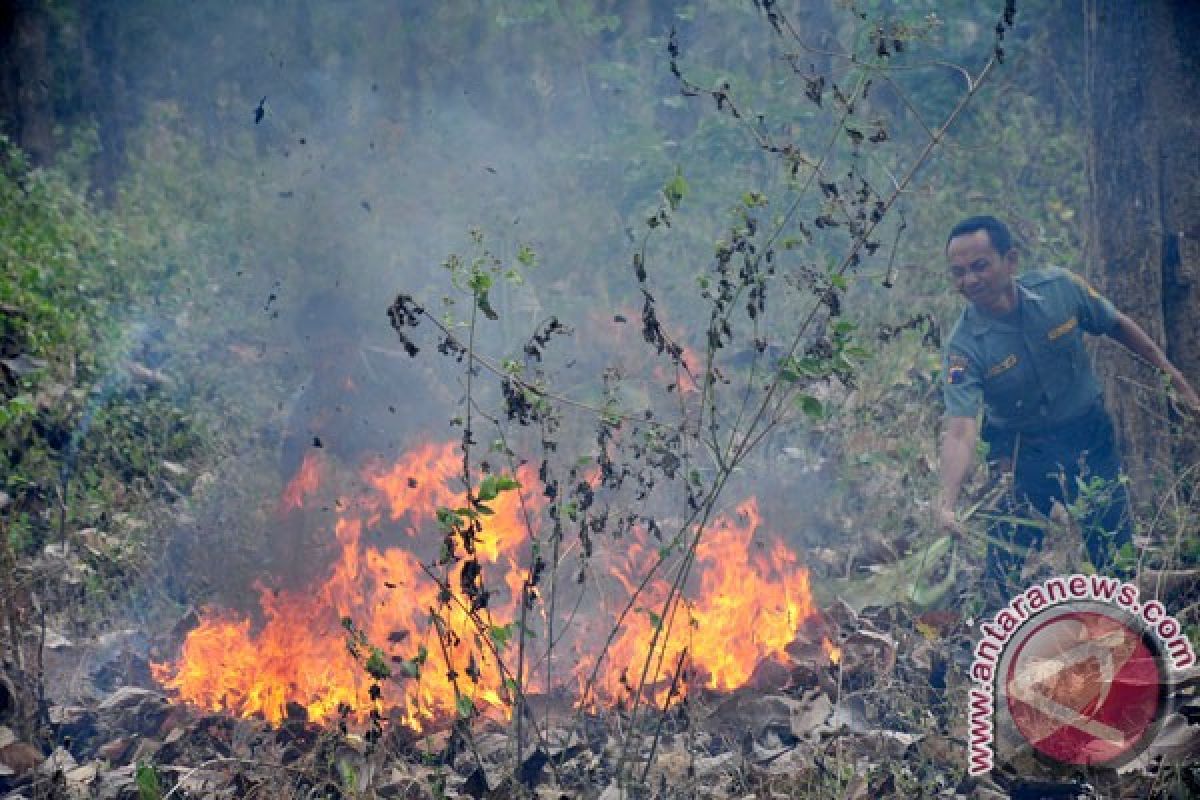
(1018, 353)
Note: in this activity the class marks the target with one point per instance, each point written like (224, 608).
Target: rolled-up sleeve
(1096, 314)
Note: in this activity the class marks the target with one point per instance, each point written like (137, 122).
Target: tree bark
(1178, 87)
(103, 93)
(1144, 180)
(26, 76)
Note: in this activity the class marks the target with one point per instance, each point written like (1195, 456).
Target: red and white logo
(1078, 669)
(1084, 686)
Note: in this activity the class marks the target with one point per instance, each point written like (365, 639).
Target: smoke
(341, 153)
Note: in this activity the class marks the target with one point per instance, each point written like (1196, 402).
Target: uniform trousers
(1048, 466)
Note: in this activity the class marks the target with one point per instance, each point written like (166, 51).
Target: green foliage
(675, 190)
(61, 284)
(811, 406)
(374, 663)
(411, 667)
(492, 485)
(501, 635)
(78, 413)
(377, 666)
(149, 786)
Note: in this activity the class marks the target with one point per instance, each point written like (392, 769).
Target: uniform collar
(979, 323)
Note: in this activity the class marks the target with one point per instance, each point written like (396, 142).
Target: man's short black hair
(997, 231)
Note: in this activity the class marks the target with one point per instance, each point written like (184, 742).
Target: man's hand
(1130, 334)
(947, 521)
(1187, 395)
(957, 454)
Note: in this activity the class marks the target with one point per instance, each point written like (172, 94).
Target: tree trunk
(104, 96)
(25, 77)
(1144, 179)
(1178, 86)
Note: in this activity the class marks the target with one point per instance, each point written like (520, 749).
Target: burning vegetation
(445, 652)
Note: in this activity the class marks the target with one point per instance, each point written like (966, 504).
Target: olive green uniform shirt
(1029, 369)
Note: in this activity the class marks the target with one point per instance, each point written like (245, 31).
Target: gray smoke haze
(366, 139)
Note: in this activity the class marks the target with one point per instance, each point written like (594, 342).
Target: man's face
(982, 275)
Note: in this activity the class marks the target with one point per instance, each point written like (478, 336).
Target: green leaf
(348, 774)
(464, 706)
(412, 666)
(148, 785)
(377, 666)
(485, 305)
(448, 520)
(844, 326)
(655, 619)
(487, 490)
(526, 256)
(507, 483)
(501, 635)
(493, 485)
(480, 282)
(810, 406)
(675, 189)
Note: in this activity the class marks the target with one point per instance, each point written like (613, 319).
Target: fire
(690, 362)
(745, 600)
(752, 598)
(299, 653)
(832, 651)
(623, 331)
(304, 484)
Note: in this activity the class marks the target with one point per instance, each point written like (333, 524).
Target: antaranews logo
(1076, 667)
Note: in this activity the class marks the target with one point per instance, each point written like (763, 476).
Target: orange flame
(687, 372)
(751, 596)
(752, 599)
(832, 651)
(303, 484)
(299, 652)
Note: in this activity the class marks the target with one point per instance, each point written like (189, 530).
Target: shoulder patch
(956, 369)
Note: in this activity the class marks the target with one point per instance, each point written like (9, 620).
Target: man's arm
(957, 458)
(1131, 335)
